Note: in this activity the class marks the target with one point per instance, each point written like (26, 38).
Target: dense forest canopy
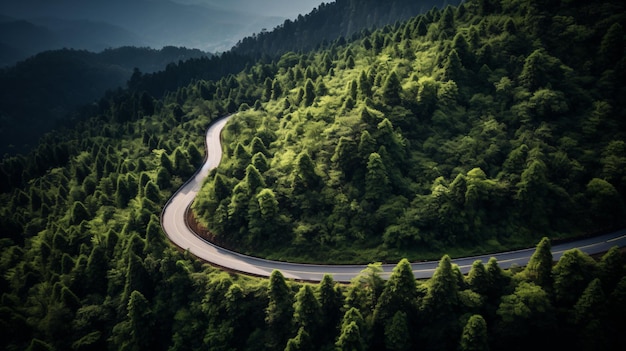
(470, 127)
(478, 127)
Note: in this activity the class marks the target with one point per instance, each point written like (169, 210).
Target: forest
(482, 127)
(43, 91)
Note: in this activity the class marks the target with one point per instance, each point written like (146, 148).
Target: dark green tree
(305, 177)
(309, 93)
(572, 273)
(399, 294)
(524, 316)
(254, 180)
(307, 312)
(376, 180)
(331, 302)
(79, 213)
(539, 267)
(301, 342)
(397, 333)
(279, 311)
(392, 90)
(141, 321)
(475, 336)
(351, 337)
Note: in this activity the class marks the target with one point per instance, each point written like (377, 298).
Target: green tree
(442, 295)
(141, 321)
(376, 179)
(301, 342)
(605, 203)
(152, 192)
(307, 312)
(123, 193)
(475, 336)
(539, 267)
(96, 271)
(268, 204)
(453, 68)
(309, 93)
(351, 337)
(540, 69)
(572, 273)
(524, 316)
(305, 177)
(277, 89)
(279, 311)
(181, 162)
(345, 156)
(392, 90)
(254, 180)
(611, 268)
(166, 162)
(163, 179)
(331, 301)
(365, 85)
(397, 333)
(79, 213)
(399, 294)
(267, 89)
(441, 303)
(478, 278)
(612, 46)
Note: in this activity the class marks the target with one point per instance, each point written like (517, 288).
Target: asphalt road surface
(173, 221)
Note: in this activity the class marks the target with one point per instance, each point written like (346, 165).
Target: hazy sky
(279, 8)
(210, 25)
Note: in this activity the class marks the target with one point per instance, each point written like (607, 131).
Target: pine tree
(309, 93)
(475, 336)
(539, 267)
(392, 90)
(279, 312)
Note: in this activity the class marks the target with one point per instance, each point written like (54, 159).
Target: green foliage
(477, 128)
(539, 268)
(475, 336)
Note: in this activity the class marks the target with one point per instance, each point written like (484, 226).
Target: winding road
(173, 221)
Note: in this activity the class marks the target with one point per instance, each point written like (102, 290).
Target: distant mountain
(20, 39)
(46, 88)
(96, 25)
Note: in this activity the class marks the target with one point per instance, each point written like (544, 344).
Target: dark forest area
(482, 127)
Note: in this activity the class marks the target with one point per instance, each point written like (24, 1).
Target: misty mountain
(96, 25)
(45, 89)
(20, 39)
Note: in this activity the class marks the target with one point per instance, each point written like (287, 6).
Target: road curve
(173, 221)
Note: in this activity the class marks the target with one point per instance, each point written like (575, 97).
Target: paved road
(173, 220)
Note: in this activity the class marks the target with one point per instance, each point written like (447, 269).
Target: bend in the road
(173, 221)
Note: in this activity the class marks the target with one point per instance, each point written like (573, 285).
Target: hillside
(332, 21)
(463, 130)
(491, 125)
(44, 91)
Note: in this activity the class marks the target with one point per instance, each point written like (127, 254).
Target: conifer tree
(307, 311)
(392, 90)
(376, 179)
(539, 267)
(309, 93)
(331, 301)
(397, 333)
(279, 312)
(475, 335)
